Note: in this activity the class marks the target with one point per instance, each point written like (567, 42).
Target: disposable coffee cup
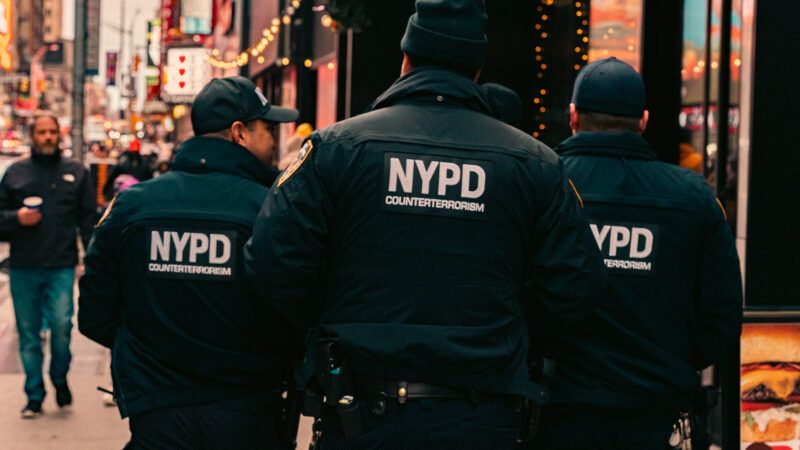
(33, 202)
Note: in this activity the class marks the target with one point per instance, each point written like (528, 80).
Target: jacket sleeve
(100, 299)
(8, 215)
(87, 208)
(719, 301)
(284, 258)
(568, 275)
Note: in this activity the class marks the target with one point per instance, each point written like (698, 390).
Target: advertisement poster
(111, 68)
(770, 387)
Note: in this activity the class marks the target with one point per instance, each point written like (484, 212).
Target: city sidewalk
(87, 425)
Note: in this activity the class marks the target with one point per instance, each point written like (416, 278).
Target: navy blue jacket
(164, 285)
(674, 298)
(414, 233)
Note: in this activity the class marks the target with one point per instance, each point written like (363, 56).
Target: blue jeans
(43, 294)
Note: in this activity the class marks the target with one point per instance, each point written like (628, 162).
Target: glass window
(693, 91)
(616, 30)
(731, 182)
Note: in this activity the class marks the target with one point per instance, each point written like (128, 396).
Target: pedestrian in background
(46, 202)
(412, 237)
(101, 167)
(505, 103)
(197, 361)
(673, 306)
(133, 163)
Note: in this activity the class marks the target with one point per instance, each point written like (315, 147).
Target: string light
(544, 27)
(256, 51)
(582, 35)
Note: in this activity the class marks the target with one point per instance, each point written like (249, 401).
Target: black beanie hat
(447, 31)
(610, 86)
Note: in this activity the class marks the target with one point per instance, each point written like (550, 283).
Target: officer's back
(674, 291)
(419, 229)
(164, 284)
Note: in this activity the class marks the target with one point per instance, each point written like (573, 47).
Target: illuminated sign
(196, 16)
(6, 34)
(185, 73)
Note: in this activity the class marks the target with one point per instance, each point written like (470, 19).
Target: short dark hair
(595, 122)
(469, 72)
(226, 133)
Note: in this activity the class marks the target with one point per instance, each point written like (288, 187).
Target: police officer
(414, 235)
(673, 304)
(193, 362)
(505, 103)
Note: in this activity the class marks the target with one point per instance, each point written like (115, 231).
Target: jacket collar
(208, 155)
(624, 144)
(45, 160)
(430, 81)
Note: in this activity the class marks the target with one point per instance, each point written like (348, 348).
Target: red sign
(111, 68)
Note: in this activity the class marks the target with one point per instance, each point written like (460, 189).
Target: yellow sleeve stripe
(576, 192)
(108, 211)
(722, 208)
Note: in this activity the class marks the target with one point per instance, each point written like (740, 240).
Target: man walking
(195, 364)
(416, 234)
(673, 305)
(44, 201)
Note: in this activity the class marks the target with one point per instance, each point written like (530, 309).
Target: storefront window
(702, 73)
(616, 30)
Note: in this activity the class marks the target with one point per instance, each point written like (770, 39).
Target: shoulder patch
(301, 158)
(108, 211)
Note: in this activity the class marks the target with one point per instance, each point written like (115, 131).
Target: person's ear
(406, 66)
(574, 118)
(643, 122)
(238, 132)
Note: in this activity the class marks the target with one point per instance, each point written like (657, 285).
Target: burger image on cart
(770, 383)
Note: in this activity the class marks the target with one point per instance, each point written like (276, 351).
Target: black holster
(335, 380)
(542, 372)
(706, 400)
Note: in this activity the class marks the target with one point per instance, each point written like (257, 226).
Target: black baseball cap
(224, 101)
(610, 86)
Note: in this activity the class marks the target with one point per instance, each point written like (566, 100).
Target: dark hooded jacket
(68, 211)
(164, 285)
(414, 234)
(674, 298)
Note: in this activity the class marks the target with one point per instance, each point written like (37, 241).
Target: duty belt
(402, 390)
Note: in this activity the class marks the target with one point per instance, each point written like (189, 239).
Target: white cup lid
(32, 202)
